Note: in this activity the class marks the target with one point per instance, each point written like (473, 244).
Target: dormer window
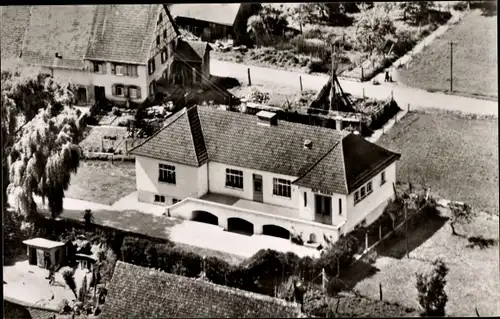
(160, 19)
(157, 40)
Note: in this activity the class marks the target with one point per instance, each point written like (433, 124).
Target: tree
(269, 21)
(374, 29)
(40, 133)
(460, 214)
(416, 11)
(69, 278)
(331, 13)
(339, 254)
(431, 294)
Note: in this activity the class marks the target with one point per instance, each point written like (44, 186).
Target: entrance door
(323, 208)
(81, 96)
(40, 258)
(257, 188)
(32, 256)
(99, 93)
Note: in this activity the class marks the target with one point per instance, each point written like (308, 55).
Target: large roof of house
(335, 162)
(220, 13)
(138, 292)
(190, 51)
(119, 33)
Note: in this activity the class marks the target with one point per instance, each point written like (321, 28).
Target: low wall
(186, 207)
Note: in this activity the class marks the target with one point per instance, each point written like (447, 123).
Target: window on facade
(151, 66)
(134, 92)
(160, 19)
(159, 199)
(157, 40)
(165, 34)
(305, 199)
(166, 173)
(163, 55)
(152, 88)
(175, 200)
(382, 179)
(340, 206)
(132, 70)
(362, 192)
(234, 178)
(118, 90)
(120, 70)
(282, 187)
(100, 67)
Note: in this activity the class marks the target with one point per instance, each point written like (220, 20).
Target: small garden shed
(45, 253)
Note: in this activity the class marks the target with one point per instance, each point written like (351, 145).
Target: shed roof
(43, 243)
(220, 13)
(138, 292)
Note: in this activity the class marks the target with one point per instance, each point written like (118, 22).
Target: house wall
(308, 211)
(187, 207)
(203, 179)
(88, 79)
(187, 182)
(217, 184)
(52, 254)
(372, 206)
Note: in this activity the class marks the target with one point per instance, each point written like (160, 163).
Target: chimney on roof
(267, 118)
(308, 144)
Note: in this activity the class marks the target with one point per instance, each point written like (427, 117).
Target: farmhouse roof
(192, 51)
(220, 13)
(333, 161)
(43, 243)
(156, 294)
(118, 33)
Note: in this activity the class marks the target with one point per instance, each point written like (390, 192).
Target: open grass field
(456, 155)
(472, 282)
(474, 59)
(102, 182)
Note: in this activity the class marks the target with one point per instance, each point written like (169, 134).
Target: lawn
(456, 155)
(99, 138)
(102, 182)
(474, 59)
(473, 279)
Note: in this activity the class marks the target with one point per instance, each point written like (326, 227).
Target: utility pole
(451, 43)
(406, 228)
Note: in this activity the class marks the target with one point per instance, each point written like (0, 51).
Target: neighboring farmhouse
(117, 52)
(256, 174)
(213, 21)
(142, 292)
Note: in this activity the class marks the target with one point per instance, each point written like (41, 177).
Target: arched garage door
(240, 226)
(276, 231)
(205, 217)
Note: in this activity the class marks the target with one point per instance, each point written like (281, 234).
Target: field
(456, 155)
(474, 59)
(472, 282)
(102, 182)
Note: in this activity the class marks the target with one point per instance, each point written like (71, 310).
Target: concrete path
(417, 98)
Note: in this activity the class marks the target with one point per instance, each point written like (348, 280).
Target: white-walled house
(118, 52)
(261, 175)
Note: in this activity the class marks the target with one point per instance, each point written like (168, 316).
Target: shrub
(116, 111)
(341, 252)
(68, 276)
(316, 65)
(217, 270)
(316, 303)
(431, 294)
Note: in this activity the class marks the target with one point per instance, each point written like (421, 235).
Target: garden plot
(104, 139)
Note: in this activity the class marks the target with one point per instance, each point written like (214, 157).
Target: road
(417, 98)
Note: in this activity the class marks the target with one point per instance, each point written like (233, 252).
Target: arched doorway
(276, 231)
(240, 226)
(205, 217)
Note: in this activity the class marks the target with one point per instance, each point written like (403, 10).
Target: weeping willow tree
(41, 139)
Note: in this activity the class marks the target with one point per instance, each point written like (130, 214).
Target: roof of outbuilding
(220, 13)
(334, 161)
(43, 243)
(138, 292)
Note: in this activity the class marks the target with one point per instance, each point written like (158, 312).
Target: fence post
(363, 94)
(380, 232)
(380, 289)
(408, 107)
(362, 73)
(392, 95)
(300, 79)
(366, 241)
(406, 230)
(338, 267)
(249, 78)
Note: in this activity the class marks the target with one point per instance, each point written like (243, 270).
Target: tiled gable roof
(177, 143)
(14, 21)
(220, 13)
(138, 292)
(200, 47)
(123, 33)
(363, 160)
(186, 53)
(118, 33)
(335, 162)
